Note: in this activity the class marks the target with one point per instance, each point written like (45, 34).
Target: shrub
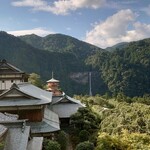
(84, 135)
(62, 140)
(52, 145)
(85, 146)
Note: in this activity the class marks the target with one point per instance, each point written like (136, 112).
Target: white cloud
(37, 31)
(62, 7)
(29, 3)
(115, 29)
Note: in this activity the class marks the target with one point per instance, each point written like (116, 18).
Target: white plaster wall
(8, 83)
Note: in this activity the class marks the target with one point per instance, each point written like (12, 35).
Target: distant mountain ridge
(117, 46)
(61, 43)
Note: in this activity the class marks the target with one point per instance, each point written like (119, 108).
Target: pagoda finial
(52, 74)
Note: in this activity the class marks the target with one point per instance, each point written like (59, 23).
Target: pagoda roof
(53, 80)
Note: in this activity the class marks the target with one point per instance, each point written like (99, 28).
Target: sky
(103, 23)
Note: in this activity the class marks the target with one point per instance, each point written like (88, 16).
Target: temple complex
(40, 112)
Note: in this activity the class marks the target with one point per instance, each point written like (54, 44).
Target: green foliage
(123, 141)
(84, 135)
(35, 80)
(85, 119)
(51, 145)
(124, 125)
(125, 70)
(85, 146)
(133, 117)
(145, 99)
(62, 140)
(122, 98)
(2, 144)
(95, 100)
(60, 43)
(85, 123)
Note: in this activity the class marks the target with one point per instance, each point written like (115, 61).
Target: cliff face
(79, 77)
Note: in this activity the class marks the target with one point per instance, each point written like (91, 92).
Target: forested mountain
(117, 46)
(61, 43)
(125, 69)
(69, 69)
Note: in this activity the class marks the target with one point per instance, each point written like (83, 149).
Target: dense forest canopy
(118, 125)
(123, 69)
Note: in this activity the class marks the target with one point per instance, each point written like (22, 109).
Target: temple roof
(16, 134)
(59, 99)
(5, 67)
(65, 110)
(21, 102)
(22, 96)
(35, 91)
(65, 106)
(16, 139)
(53, 80)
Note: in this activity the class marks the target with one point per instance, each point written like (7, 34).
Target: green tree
(52, 145)
(35, 80)
(85, 119)
(84, 135)
(62, 140)
(123, 141)
(85, 146)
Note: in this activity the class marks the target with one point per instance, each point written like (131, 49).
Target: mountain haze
(117, 46)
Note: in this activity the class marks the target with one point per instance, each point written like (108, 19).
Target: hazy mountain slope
(61, 43)
(33, 40)
(66, 66)
(117, 46)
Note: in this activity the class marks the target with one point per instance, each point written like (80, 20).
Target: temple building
(62, 104)
(9, 75)
(16, 135)
(30, 102)
(40, 112)
(53, 86)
